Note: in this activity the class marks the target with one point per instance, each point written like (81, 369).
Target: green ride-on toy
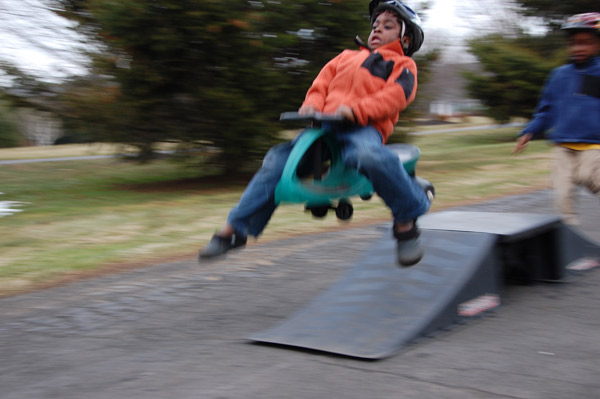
(316, 176)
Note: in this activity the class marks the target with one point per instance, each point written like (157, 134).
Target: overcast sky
(37, 40)
(450, 23)
(41, 43)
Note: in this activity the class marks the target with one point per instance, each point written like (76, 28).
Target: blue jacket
(570, 105)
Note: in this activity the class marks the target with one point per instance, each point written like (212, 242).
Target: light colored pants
(572, 168)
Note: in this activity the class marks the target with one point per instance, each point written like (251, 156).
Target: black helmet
(583, 22)
(411, 20)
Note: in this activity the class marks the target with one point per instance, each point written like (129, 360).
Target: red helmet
(589, 21)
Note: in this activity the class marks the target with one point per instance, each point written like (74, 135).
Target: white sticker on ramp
(583, 264)
(478, 305)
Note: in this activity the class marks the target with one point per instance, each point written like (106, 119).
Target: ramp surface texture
(512, 226)
(377, 308)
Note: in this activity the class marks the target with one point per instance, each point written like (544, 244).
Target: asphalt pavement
(177, 330)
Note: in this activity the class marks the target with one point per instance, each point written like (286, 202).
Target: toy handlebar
(316, 117)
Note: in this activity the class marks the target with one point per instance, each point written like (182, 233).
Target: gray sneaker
(409, 250)
(220, 245)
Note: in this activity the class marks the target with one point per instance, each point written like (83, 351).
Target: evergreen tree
(557, 10)
(514, 69)
(204, 73)
(514, 73)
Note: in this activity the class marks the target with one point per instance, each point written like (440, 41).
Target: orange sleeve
(317, 92)
(396, 95)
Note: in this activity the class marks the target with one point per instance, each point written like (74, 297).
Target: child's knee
(589, 170)
(593, 182)
(276, 156)
(362, 158)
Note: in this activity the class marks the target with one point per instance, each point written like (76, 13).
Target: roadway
(178, 330)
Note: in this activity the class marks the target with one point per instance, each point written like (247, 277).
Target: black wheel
(344, 210)
(319, 211)
(430, 192)
(366, 197)
(427, 187)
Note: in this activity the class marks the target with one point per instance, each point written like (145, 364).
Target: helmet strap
(403, 32)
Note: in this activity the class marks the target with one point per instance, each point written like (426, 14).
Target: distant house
(444, 95)
(39, 128)
(453, 108)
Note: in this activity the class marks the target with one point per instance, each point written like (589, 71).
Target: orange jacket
(377, 85)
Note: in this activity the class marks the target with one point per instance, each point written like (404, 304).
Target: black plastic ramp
(377, 307)
(511, 226)
(531, 247)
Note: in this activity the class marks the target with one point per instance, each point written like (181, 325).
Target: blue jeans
(362, 149)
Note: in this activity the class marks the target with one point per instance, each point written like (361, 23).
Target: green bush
(9, 132)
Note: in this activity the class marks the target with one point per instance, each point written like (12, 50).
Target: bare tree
(39, 42)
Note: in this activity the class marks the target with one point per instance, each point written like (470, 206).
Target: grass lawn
(81, 218)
